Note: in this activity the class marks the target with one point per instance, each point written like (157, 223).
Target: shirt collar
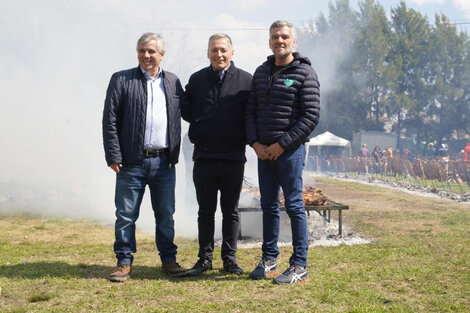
(224, 71)
(147, 76)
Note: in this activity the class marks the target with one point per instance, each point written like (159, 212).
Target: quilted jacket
(285, 110)
(124, 116)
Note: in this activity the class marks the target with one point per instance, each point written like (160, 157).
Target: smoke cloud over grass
(56, 59)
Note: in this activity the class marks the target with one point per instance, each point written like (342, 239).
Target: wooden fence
(441, 170)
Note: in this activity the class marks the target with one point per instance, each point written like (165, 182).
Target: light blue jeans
(130, 187)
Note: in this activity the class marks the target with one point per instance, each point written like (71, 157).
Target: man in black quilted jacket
(215, 109)
(141, 136)
(282, 111)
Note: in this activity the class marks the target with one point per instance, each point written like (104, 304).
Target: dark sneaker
(293, 275)
(121, 273)
(266, 268)
(232, 267)
(174, 270)
(201, 266)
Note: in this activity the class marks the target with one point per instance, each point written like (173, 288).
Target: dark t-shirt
(276, 70)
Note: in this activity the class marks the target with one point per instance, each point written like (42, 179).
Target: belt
(154, 153)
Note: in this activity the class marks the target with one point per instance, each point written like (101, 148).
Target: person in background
(215, 108)
(364, 152)
(408, 154)
(282, 111)
(443, 150)
(466, 157)
(398, 152)
(365, 158)
(377, 156)
(431, 152)
(141, 137)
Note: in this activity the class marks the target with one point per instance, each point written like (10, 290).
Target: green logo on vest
(289, 82)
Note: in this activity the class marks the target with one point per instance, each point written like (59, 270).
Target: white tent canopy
(326, 139)
(329, 139)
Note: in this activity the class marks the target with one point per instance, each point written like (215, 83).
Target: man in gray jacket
(141, 136)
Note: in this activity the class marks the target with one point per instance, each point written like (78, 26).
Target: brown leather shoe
(174, 269)
(121, 273)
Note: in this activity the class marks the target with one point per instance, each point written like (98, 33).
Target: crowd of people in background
(435, 162)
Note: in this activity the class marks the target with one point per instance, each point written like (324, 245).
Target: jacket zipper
(167, 117)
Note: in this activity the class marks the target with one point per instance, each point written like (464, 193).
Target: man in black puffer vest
(282, 111)
(217, 96)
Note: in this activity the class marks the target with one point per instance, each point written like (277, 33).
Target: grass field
(419, 262)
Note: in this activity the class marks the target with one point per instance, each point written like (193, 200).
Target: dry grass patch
(391, 210)
(34, 229)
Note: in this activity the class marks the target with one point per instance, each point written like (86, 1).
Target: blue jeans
(130, 187)
(285, 172)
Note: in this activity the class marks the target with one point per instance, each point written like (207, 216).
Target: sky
(56, 58)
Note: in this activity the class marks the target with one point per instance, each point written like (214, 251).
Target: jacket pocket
(200, 131)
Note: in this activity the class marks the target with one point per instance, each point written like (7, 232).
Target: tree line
(397, 73)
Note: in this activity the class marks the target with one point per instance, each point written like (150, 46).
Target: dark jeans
(210, 176)
(130, 188)
(285, 172)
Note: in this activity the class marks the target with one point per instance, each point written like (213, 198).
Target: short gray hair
(220, 36)
(282, 23)
(152, 36)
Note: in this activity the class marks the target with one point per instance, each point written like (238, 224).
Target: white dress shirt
(156, 123)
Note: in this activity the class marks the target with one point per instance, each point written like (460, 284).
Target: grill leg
(323, 214)
(340, 223)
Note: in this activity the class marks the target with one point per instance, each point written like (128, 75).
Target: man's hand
(260, 150)
(116, 167)
(274, 151)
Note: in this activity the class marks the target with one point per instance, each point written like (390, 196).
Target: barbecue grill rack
(323, 210)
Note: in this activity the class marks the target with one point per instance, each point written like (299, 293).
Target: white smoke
(56, 59)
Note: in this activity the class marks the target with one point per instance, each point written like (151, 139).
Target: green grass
(419, 262)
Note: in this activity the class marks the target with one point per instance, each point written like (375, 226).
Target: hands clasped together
(271, 152)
